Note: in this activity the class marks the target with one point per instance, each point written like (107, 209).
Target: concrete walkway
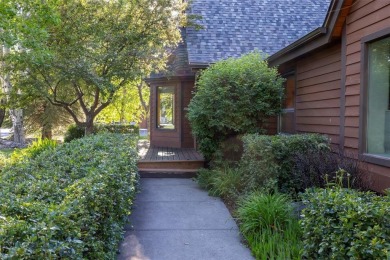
(174, 219)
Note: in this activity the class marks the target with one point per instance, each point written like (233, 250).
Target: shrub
(33, 150)
(74, 132)
(313, 167)
(270, 159)
(341, 223)
(268, 223)
(68, 203)
(117, 128)
(233, 97)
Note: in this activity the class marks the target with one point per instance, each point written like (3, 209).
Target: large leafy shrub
(270, 159)
(269, 225)
(341, 223)
(233, 97)
(117, 128)
(68, 203)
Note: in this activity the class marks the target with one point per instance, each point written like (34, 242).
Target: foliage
(73, 132)
(267, 222)
(33, 150)
(270, 159)
(313, 167)
(4, 157)
(126, 105)
(341, 223)
(68, 203)
(117, 128)
(227, 183)
(233, 97)
(79, 54)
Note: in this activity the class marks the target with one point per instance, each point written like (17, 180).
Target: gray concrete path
(174, 219)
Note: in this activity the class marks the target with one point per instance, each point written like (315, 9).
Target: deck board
(168, 154)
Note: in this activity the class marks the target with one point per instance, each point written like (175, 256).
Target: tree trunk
(17, 125)
(2, 116)
(16, 114)
(89, 125)
(46, 127)
(46, 132)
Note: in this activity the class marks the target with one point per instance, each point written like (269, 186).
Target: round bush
(233, 97)
(74, 132)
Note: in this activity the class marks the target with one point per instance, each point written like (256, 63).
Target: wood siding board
(319, 96)
(356, 36)
(323, 78)
(343, 88)
(352, 79)
(314, 120)
(318, 88)
(324, 112)
(352, 121)
(330, 57)
(367, 19)
(353, 58)
(332, 67)
(329, 103)
(353, 69)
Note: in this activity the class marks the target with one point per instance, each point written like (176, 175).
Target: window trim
(365, 41)
(288, 110)
(174, 129)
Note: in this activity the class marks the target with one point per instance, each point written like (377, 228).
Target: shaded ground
(175, 219)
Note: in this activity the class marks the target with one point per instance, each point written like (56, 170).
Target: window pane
(286, 117)
(166, 107)
(378, 113)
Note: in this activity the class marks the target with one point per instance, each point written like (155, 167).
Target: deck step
(171, 166)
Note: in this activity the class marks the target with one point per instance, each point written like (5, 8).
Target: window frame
(290, 73)
(157, 102)
(365, 41)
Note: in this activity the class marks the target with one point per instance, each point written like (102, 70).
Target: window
(166, 107)
(377, 132)
(287, 116)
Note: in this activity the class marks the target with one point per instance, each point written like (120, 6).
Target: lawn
(6, 152)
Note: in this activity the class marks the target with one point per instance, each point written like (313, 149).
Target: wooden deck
(168, 160)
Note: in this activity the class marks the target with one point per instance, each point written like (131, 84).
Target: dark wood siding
(318, 93)
(187, 139)
(365, 17)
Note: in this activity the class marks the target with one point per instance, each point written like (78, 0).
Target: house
(335, 56)
(231, 28)
(338, 80)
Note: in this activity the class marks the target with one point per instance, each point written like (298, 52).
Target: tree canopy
(78, 54)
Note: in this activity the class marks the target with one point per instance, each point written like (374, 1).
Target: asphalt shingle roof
(235, 27)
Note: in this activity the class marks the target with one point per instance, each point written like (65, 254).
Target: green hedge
(269, 159)
(341, 223)
(76, 132)
(71, 202)
(117, 128)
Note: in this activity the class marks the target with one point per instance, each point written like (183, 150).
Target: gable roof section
(235, 27)
(321, 36)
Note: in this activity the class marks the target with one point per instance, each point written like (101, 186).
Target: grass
(268, 224)
(6, 152)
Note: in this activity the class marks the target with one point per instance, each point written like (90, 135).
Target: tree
(233, 97)
(81, 53)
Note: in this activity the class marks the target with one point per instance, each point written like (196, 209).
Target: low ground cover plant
(70, 202)
(342, 223)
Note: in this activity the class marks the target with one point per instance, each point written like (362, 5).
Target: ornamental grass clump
(269, 225)
(70, 202)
